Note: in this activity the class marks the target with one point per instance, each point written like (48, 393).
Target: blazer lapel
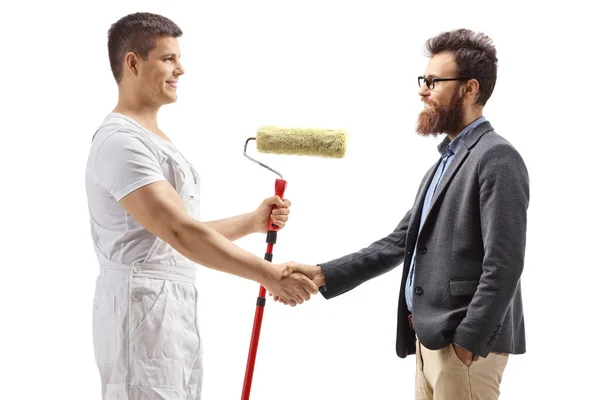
(454, 166)
(457, 162)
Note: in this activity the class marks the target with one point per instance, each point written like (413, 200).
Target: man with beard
(463, 241)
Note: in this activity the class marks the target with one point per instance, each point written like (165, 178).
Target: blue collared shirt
(447, 152)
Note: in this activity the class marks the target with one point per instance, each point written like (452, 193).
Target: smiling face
(444, 105)
(155, 78)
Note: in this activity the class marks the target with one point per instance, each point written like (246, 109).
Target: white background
(343, 64)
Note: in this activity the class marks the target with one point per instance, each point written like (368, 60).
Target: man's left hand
(266, 211)
(465, 355)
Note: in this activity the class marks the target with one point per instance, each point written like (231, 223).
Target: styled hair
(136, 33)
(475, 57)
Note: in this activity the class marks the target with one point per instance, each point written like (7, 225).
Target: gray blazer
(470, 253)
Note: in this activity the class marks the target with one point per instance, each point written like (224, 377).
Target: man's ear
(472, 89)
(132, 63)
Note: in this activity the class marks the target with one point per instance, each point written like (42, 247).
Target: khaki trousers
(441, 375)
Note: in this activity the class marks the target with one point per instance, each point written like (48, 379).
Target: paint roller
(274, 139)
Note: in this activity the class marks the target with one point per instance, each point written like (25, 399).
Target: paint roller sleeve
(327, 143)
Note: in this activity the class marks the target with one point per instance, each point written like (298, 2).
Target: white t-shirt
(124, 156)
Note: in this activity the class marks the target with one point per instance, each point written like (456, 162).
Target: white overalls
(146, 337)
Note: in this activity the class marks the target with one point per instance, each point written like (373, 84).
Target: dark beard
(442, 119)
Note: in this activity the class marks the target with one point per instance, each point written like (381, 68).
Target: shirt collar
(449, 148)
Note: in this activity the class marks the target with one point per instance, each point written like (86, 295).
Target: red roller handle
(280, 186)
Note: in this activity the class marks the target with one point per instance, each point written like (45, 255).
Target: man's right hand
(313, 272)
(290, 287)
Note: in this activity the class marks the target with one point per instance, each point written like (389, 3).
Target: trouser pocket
(163, 335)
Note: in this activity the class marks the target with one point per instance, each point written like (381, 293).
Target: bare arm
(235, 227)
(254, 222)
(160, 210)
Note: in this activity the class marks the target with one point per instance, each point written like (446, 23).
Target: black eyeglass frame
(430, 81)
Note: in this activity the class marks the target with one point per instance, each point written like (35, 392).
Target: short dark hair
(137, 33)
(474, 54)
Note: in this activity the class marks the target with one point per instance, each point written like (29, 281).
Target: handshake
(293, 283)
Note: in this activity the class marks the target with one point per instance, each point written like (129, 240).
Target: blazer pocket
(463, 287)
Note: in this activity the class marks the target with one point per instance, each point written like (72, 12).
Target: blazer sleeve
(503, 202)
(347, 272)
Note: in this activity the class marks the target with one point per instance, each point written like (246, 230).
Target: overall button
(422, 249)
(419, 290)
(136, 269)
(136, 297)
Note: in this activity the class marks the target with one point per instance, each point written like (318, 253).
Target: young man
(463, 241)
(144, 211)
